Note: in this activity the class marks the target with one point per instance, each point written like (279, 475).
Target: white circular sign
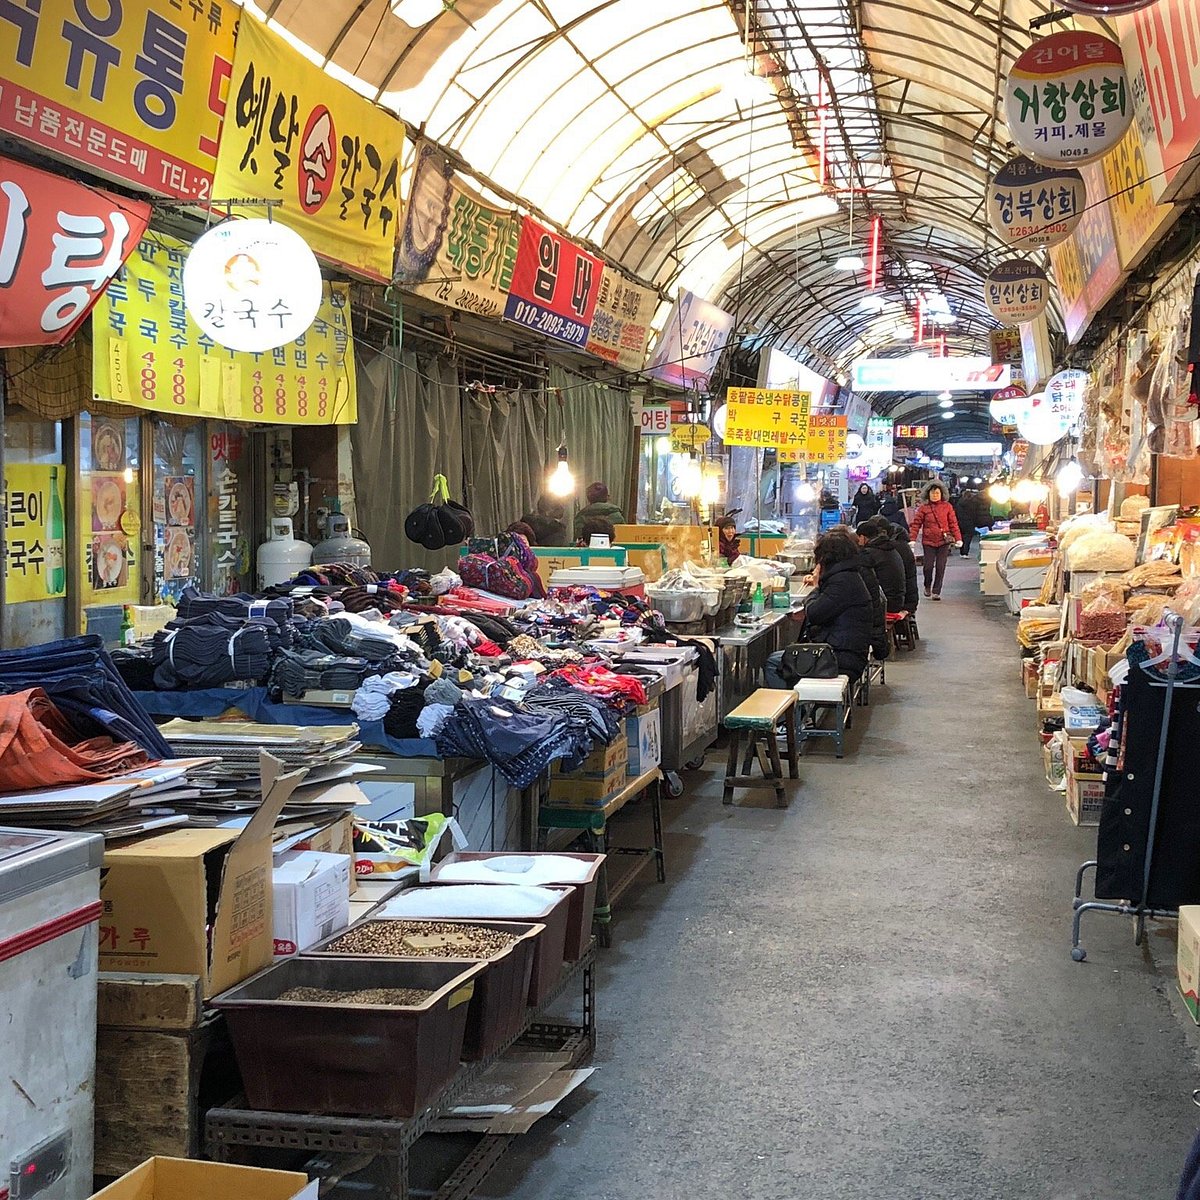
(1065, 393)
(1004, 410)
(1016, 290)
(252, 285)
(1032, 205)
(1038, 422)
(1067, 98)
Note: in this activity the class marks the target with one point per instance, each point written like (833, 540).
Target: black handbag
(808, 660)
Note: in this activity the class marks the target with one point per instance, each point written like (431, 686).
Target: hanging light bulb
(689, 479)
(849, 262)
(948, 402)
(805, 492)
(1069, 478)
(710, 489)
(1001, 493)
(663, 445)
(946, 395)
(561, 481)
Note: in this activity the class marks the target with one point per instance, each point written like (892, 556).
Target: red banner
(60, 245)
(554, 286)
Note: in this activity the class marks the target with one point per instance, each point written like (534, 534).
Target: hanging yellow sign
(689, 437)
(148, 352)
(826, 441)
(35, 562)
(295, 134)
(767, 418)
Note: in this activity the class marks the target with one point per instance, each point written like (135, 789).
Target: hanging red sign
(554, 286)
(61, 243)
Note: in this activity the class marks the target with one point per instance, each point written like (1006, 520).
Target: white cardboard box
(311, 894)
(645, 742)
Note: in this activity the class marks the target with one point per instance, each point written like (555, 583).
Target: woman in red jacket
(937, 527)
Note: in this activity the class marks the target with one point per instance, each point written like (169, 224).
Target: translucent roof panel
(720, 145)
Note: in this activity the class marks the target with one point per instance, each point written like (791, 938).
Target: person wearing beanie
(598, 505)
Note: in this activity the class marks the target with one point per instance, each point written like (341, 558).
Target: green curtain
(508, 442)
(600, 435)
(409, 429)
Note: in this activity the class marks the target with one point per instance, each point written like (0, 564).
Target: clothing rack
(1139, 910)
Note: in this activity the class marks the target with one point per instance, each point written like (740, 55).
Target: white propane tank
(281, 555)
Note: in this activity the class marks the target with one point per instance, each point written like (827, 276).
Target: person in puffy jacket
(875, 538)
(838, 613)
(937, 527)
(866, 503)
(890, 510)
(912, 591)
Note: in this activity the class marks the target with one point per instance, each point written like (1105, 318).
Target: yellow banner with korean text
(147, 352)
(768, 418)
(35, 539)
(132, 91)
(295, 134)
(826, 441)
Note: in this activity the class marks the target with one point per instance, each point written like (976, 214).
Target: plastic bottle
(128, 637)
(56, 566)
(758, 603)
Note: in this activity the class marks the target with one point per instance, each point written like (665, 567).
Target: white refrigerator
(49, 926)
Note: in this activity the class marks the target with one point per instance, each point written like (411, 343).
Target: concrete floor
(870, 995)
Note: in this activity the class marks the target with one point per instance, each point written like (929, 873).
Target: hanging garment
(1125, 817)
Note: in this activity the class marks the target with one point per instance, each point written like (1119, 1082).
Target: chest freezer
(49, 926)
(1023, 568)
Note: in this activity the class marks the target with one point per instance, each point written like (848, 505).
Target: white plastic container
(282, 555)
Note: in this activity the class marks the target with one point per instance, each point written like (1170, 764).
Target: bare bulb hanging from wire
(561, 481)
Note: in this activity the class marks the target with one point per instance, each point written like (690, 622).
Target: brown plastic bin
(550, 953)
(368, 1060)
(497, 1012)
(583, 901)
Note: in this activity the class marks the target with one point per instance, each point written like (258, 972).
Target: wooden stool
(828, 693)
(759, 716)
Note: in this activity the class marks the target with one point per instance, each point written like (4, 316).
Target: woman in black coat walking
(838, 613)
(866, 503)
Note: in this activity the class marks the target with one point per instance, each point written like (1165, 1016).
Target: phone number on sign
(551, 324)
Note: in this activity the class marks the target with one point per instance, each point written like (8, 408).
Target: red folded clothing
(40, 748)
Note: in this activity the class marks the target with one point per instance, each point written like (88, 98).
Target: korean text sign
(768, 419)
(554, 286)
(455, 248)
(294, 133)
(134, 90)
(621, 323)
(147, 352)
(827, 435)
(1067, 98)
(34, 566)
(691, 342)
(60, 244)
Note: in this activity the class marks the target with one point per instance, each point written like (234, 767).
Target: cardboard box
(1085, 797)
(187, 1179)
(163, 895)
(602, 762)
(1029, 677)
(592, 791)
(1049, 706)
(1080, 759)
(337, 838)
(644, 733)
(1187, 960)
(311, 898)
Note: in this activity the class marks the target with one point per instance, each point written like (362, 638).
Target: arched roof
(637, 126)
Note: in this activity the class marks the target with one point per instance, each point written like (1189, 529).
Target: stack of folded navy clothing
(521, 744)
(78, 675)
(295, 672)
